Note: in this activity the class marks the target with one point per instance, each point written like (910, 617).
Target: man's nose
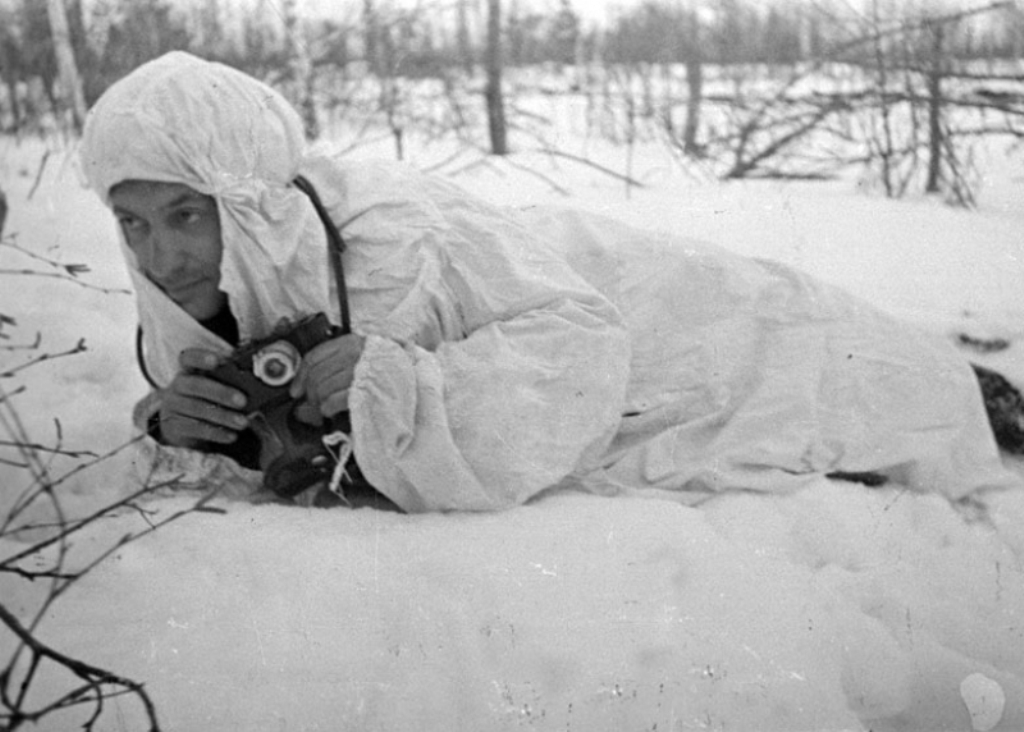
(157, 255)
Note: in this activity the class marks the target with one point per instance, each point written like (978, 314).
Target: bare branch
(44, 448)
(23, 346)
(69, 276)
(597, 166)
(94, 677)
(67, 272)
(537, 174)
(39, 174)
(72, 526)
(78, 348)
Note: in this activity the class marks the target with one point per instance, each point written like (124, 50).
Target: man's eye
(130, 223)
(190, 216)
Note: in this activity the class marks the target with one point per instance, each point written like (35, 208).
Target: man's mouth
(179, 291)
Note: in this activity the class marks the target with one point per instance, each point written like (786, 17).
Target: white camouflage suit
(508, 352)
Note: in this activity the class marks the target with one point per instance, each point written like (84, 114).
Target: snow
(836, 608)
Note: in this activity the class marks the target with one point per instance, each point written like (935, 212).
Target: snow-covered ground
(837, 608)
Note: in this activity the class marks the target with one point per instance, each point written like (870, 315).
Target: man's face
(174, 232)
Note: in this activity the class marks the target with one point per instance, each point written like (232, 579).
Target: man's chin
(202, 309)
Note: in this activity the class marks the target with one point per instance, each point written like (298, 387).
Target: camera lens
(276, 364)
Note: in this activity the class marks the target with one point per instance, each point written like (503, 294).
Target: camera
(293, 456)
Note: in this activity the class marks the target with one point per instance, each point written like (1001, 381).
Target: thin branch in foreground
(93, 676)
(55, 450)
(6, 320)
(71, 269)
(78, 348)
(68, 272)
(37, 341)
(72, 526)
(67, 276)
(44, 485)
(92, 691)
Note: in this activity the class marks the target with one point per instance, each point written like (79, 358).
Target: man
(497, 354)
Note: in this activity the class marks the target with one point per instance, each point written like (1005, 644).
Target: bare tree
(300, 68)
(936, 133)
(496, 123)
(881, 138)
(10, 59)
(930, 105)
(463, 38)
(695, 86)
(70, 81)
(392, 97)
(908, 109)
(371, 37)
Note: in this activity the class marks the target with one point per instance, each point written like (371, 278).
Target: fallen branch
(597, 166)
(561, 190)
(743, 167)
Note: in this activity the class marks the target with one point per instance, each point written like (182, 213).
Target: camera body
(264, 369)
(292, 453)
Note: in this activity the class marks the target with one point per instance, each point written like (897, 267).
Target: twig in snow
(39, 174)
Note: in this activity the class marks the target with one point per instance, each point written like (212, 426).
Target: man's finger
(197, 359)
(343, 349)
(298, 386)
(326, 380)
(207, 412)
(335, 403)
(199, 387)
(187, 428)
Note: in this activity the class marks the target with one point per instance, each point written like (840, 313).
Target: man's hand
(326, 375)
(197, 409)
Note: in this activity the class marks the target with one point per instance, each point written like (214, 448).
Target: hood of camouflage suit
(181, 119)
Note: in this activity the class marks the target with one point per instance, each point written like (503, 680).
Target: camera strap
(338, 443)
(336, 245)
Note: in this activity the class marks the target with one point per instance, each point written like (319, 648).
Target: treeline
(729, 32)
(111, 37)
(741, 88)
